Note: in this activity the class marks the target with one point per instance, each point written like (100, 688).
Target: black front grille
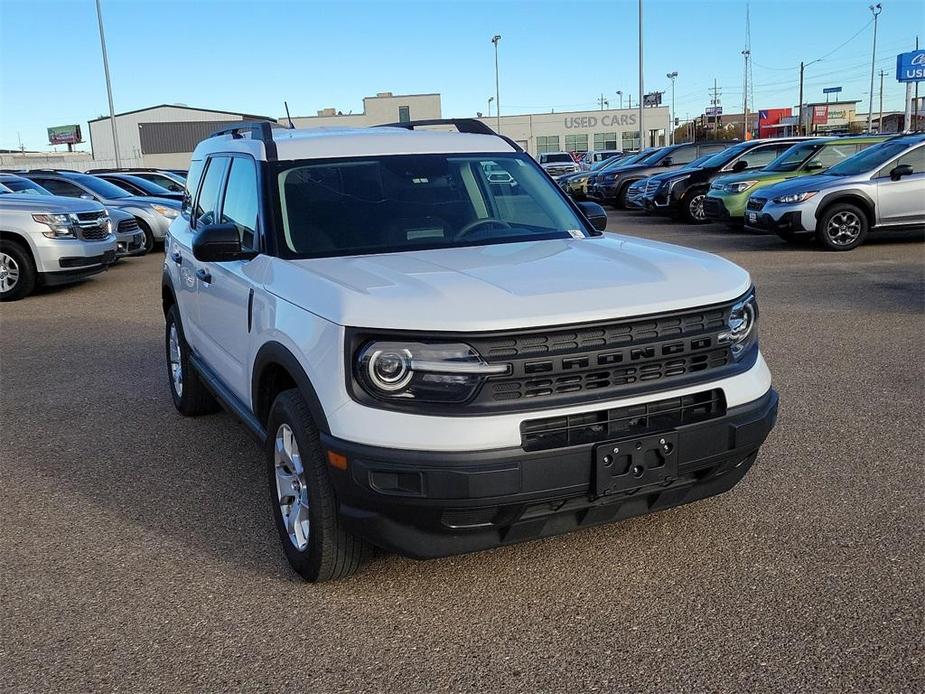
(618, 422)
(90, 216)
(94, 233)
(127, 226)
(756, 204)
(93, 225)
(713, 207)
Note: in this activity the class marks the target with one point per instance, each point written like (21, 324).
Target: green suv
(726, 199)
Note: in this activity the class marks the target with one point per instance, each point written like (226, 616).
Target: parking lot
(138, 552)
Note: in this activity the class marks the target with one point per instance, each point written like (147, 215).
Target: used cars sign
(910, 67)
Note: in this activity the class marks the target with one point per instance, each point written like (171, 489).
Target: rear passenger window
(683, 155)
(207, 202)
(240, 205)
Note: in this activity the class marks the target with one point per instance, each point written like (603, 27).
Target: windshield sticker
(575, 233)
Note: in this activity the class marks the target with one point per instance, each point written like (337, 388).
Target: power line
(834, 50)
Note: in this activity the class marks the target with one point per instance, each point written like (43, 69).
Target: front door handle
(176, 257)
(204, 275)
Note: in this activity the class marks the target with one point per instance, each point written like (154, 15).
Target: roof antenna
(288, 117)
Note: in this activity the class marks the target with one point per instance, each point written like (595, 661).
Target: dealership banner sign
(910, 67)
(820, 115)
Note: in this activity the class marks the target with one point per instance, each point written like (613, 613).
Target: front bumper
(765, 222)
(430, 504)
(130, 244)
(717, 209)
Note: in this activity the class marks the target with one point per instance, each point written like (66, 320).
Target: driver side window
(915, 159)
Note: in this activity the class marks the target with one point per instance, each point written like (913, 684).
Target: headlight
(741, 326)
(62, 225)
(717, 186)
(795, 197)
(165, 211)
(675, 181)
(739, 187)
(444, 372)
(607, 178)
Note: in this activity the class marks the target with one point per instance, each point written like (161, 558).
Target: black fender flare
(850, 195)
(276, 353)
(167, 287)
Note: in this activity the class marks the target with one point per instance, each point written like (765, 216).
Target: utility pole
(875, 10)
(800, 113)
(641, 87)
(490, 99)
(112, 111)
(716, 92)
(671, 119)
(495, 39)
(745, 53)
(880, 122)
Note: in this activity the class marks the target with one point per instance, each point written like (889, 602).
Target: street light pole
(495, 39)
(672, 76)
(112, 111)
(875, 10)
(490, 99)
(641, 88)
(620, 94)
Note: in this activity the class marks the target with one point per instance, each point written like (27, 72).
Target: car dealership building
(165, 135)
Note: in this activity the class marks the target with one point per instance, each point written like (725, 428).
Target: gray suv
(153, 214)
(882, 187)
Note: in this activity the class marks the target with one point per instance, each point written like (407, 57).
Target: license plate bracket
(631, 463)
(752, 217)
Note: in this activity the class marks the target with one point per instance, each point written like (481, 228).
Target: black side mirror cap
(740, 165)
(666, 161)
(899, 171)
(219, 243)
(814, 166)
(594, 213)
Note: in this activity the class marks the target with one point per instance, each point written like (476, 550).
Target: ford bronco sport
(435, 363)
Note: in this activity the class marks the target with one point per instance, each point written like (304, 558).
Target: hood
(671, 173)
(118, 216)
(502, 286)
(51, 204)
(803, 183)
(141, 201)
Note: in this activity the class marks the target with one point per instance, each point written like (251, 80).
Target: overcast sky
(250, 56)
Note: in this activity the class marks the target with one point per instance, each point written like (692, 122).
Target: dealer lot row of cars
(837, 189)
(59, 226)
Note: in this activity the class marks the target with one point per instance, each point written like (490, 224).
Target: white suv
(435, 363)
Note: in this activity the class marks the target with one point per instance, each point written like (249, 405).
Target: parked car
(725, 202)
(681, 194)
(591, 187)
(173, 180)
(380, 338)
(130, 239)
(576, 184)
(153, 214)
(136, 185)
(882, 187)
(639, 191)
(596, 156)
(612, 186)
(47, 240)
(558, 163)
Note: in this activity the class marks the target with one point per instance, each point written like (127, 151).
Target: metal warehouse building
(165, 135)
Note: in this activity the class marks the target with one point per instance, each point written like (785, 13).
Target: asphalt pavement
(137, 551)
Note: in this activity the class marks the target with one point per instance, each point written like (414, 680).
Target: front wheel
(17, 271)
(843, 227)
(692, 207)
(189, 393)
(316, 545)
(149, 235)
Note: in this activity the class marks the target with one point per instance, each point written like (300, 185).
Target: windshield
(149, 187)
(697, 162)
(104, 189)
(406, 202)
(550, 158)
(868, 159)
(793, 158)
(4, 189)
(24, 186)
(165, 182)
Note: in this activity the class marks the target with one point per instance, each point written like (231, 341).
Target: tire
(620, 200)
(149, 236)
(17, 271)
(315, 543)
(692, 207)
(189, 393)
(843, 227)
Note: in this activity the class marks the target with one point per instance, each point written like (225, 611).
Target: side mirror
(219, 243)
(813, 166)
(594, 213)
(740, 165)
(666, 161)
(900, 171)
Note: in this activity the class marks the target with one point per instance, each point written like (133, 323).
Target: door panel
(902, 201)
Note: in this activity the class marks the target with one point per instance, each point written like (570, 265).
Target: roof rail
(471, 126)
(259, 130)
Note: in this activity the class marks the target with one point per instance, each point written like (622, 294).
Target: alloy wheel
(176, 365)
(291, 488)
(843, 228)
(9, 273)
(696, 207)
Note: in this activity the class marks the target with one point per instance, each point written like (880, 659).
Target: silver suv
(882, 187)
(47, 240)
